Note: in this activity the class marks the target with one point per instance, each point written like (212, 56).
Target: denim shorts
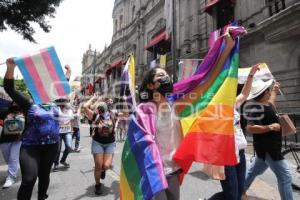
(103, 148)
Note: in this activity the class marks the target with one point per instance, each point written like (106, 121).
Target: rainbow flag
(44, 76)
(205, 105)
(264, 73)
(142, 173)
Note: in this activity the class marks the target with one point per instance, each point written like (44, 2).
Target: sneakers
(43, 197)
(67, 165)
(9, 182)
(103, 174)
(55, 168)
(77, 150)
(98, 189)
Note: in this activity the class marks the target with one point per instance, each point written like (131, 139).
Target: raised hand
(254, 69)
(10, 63)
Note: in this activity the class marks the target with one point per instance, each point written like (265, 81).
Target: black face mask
(166, 86)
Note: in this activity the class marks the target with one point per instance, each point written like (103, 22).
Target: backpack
(13, 124)
(42, 125)
(108, 125)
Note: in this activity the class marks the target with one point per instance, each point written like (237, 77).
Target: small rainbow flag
(206, 116)
(44, 76)
(142, 173)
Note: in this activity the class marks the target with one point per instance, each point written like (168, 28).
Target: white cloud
(77, 24)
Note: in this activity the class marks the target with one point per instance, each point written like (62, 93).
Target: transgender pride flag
(44, 76)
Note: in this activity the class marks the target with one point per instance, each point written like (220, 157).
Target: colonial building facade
(140, 27)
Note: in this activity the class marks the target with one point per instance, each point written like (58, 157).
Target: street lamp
(94, 69)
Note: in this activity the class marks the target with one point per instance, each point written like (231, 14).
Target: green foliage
(19, 14)
(21, 86)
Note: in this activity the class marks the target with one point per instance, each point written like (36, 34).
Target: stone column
(186, 33)
(195, 26)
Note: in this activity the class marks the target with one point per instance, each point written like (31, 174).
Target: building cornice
(279, 26)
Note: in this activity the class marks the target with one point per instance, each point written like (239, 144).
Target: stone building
(140, 27)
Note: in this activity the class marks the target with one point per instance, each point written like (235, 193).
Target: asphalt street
(77, 182)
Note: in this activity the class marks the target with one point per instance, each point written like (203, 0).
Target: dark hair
(261, 95)
(144, 93)
(239, 89)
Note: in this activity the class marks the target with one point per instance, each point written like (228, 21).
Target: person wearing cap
(263, 124)
(103, 143)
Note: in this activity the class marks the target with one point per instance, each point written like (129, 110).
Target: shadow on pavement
(113, 189)
(90, 191)
(199, 174)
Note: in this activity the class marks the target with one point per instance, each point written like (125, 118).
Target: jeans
(67, 138)
(36, 161)
(76, 135)
(233, 185)
(280, 169)
(11, 151)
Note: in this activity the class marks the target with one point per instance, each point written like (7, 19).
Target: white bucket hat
(258, 87)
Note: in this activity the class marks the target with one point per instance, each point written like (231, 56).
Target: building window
(225, 13)
(121, 21)
(133, 13)
(275, 6)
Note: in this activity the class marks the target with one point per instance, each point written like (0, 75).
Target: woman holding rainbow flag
(167, 133)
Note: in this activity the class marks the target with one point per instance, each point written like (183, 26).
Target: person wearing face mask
(153, 94)
(103, 143)
(10, 140)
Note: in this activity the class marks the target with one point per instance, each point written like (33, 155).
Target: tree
(21, 86)
(19, 14)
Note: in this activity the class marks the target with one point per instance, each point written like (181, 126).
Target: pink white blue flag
(44, 76)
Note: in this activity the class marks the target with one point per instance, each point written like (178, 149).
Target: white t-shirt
(239, 136)
(168, 137)
(65, 117)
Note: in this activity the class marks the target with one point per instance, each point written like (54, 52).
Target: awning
(212, 3)
(116, 64)
(157, 39)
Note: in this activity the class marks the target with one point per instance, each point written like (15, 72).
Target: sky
(77, 24)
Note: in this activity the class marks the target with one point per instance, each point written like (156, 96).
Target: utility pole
(94, 70)
(174, 60)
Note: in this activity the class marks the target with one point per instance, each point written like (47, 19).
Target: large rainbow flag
(142, 173)
(204, 103)
(206, 116)
(43, 75)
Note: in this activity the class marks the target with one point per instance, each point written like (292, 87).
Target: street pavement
(77, 182)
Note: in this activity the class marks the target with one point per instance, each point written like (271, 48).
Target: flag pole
(174, 60)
